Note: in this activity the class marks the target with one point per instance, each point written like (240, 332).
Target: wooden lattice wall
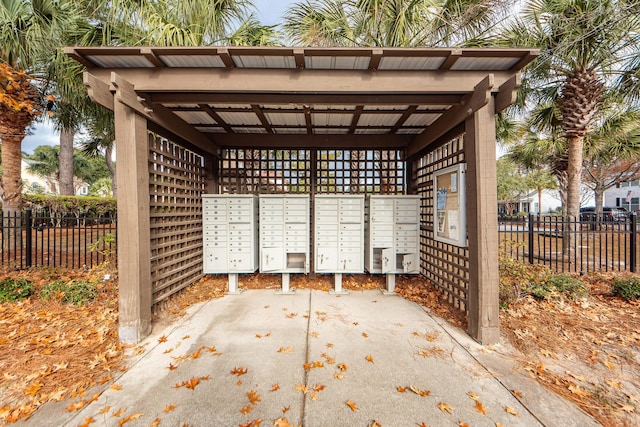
(176, 183)
(445, 265)
(291, 171)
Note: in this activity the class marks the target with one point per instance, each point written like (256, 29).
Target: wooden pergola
(180, 113)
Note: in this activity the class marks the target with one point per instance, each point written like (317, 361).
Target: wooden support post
(134, 251)
(212, 172)
(482, 224)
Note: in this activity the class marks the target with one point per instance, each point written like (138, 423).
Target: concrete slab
(291, 347)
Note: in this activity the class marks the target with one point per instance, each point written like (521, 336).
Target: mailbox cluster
(380, 235)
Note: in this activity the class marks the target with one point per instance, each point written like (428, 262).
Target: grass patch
(627, 288)
(78, 292)
(12, 290)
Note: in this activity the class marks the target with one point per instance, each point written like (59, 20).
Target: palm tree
(584, 45)
(401, 23)
(30, 32)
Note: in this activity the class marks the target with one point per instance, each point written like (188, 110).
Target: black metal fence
(53, 239)
(572, 245)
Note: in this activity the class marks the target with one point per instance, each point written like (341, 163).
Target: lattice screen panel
(247, 171)
(176, 182)
(445, 265)
(360, 171)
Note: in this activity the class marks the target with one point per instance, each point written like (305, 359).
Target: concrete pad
(291, 344)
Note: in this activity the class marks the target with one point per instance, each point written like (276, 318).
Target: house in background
(35, 184)
(529, 203)
(624, 195)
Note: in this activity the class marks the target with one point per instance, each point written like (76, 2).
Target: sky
(269, 13)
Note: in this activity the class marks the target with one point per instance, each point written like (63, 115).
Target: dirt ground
(586, 350)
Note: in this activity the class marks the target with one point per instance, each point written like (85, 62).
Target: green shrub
(12, 290)
(568, 286)
(559, 285)
(627, 288)
(518, 278)
(78, 292)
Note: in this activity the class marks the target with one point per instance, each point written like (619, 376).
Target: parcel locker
(230, 235)
(284, 235)
(392, 235)
(339, 233)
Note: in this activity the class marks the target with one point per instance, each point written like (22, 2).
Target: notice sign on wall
(449, 222)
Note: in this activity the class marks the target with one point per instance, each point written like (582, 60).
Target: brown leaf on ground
(246, 410)
(168, 408)
(253, 397)
(480, 407)
(239, 371)
(444, 407)
(369, 358)
(352, 405)
(275, 387)
(419, 392)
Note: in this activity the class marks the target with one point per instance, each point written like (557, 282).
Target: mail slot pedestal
(392, 236)
(230, 237)
(284, 235)
(339, 235)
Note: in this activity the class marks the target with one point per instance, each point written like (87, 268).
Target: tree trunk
(574, 177)
(598, 194)
(11, 173)
(11, 191)
(108, 158)
(65, 159)
(539, 202)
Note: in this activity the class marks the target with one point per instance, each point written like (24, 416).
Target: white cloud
(41, 134)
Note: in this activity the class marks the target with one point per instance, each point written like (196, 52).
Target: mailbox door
(388, 260)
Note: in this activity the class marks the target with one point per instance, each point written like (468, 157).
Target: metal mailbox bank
(284, 235)
(392, 236)
(230, 236)
(339, 235)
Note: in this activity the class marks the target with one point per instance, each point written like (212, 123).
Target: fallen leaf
(318, 364)
(286, 349)
(282, 422)
(162, 339)
(480, 407)
(105, 410)
(422, 424)
(275, 387)
(285, 409)
(628, 408)
(117, 413)
(369, 358)
(169, 408)
(116, 387)
(192, 383)
(258, 336)
(252, 423)
(510, 410)
(186, 337)
(364, 334)
(462, 424)
(355, 323)
(444, 407)
(314, 334)
(338, 375)
(419, 392)
(155, 423)
(472, 395)
(75, 406)
(291, 315)
(129, 418)
(246, 410)
(517, 394)
(239, 371)
(313, 396)
(239, 383)
(609, 364)
(329, 345)
(302, 388)
(33, 388)
(352, 405)
(87, 421)
(401, 389)
(318, 387)
(307, 366)
(374, 423)
(253, 397)
(342, 366)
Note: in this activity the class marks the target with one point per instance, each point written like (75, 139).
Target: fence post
(530, 238)
(633, 242)
(29, 229)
